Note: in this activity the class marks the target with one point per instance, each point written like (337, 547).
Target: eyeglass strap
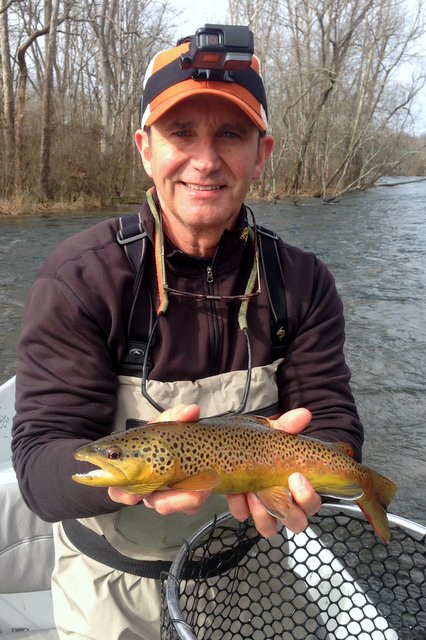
(242, 314)
(160, 267)
(159, 255)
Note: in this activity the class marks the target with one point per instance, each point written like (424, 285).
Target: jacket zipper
(216, 332)
(209, 275)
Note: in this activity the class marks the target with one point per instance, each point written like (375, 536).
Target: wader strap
(129, 231)
(98, 548)
(134, 240)
(275, 286)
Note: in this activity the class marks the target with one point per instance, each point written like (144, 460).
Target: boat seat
(26, 545)
(26, 564)
(26, 548)
(42, 634)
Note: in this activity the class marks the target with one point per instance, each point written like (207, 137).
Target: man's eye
(182, 133)
(230, 134)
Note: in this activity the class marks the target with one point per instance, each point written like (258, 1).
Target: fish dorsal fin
(204, 481)
(133, 423)
(345, 448)
(276, 500)
(262, 420)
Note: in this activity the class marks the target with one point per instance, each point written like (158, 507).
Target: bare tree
(20, 105)
(8, 113)
(52, 12)
(104, 22)
(21, 53)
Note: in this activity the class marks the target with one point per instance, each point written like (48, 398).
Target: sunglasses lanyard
(164, 302)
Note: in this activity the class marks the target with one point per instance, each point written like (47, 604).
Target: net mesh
(335, 580)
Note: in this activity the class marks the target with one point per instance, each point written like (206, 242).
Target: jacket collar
(229, 251)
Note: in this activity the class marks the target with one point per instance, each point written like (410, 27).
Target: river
(375, 244)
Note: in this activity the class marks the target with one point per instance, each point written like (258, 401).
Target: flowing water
(375, 245)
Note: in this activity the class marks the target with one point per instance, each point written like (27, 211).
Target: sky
(196, 14)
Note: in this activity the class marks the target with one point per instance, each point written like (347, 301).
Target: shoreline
(25, 205)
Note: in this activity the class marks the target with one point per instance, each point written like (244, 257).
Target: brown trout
(236, 454)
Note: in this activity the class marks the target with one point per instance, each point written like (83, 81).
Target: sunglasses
(253, 287)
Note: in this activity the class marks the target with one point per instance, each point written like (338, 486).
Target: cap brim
(184, 92)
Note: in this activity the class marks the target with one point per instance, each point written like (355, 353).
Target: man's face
(202, 156)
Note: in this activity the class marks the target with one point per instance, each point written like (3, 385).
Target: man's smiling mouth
(202, 187)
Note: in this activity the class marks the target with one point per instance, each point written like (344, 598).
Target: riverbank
(26, 205)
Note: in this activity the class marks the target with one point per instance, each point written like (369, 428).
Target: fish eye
(114, 453)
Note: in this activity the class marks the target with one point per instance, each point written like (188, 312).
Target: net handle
(172, 586)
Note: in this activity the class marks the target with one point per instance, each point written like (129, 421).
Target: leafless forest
(341, 78)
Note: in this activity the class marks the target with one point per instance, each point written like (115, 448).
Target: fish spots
(230, 447)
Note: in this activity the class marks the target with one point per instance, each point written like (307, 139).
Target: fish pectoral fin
(144, 488)
(276, 500)
(204, 481)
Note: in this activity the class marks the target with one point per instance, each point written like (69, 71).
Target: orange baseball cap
(167, 84)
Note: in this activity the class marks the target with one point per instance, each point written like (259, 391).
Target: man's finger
(263, 521)
(304, 494)
(293, 421)
(238, 506)
(179, 413)
(122, 497)
(166, 502)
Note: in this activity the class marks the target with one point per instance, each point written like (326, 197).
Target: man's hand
(305, 501)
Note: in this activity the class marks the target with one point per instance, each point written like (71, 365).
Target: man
(203, 139)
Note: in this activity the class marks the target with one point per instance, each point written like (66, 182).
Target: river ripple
(375, 245)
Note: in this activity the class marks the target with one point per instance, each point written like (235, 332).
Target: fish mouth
(107, 475)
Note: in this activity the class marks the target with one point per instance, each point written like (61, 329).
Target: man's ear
(266, 144)
(143, 145)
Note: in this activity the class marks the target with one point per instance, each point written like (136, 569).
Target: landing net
(334, 581)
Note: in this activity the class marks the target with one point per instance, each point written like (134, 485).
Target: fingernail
(297, 481)
(183, 410)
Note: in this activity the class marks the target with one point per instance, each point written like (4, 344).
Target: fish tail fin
(375, 502)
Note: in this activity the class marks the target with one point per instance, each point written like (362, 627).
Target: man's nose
(205, 157)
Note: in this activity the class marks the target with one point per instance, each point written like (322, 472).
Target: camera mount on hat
(218, 48)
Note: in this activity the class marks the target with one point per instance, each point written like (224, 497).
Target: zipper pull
(209, 274)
